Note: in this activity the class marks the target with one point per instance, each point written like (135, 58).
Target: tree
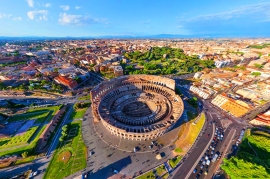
(24, 154)
(256, 74)
(61, 139)
(259, 66)
(55, 70)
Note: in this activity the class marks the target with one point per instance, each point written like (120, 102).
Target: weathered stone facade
(137, 107)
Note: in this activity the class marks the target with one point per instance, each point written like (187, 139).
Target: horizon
(207, 19)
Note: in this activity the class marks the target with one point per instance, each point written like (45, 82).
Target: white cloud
(65, 7)
(262, 11)
(40, 15)
(47, 5)
(30, 3)
(69, 19)
(5, 15)
(77, 7)
(17, 18)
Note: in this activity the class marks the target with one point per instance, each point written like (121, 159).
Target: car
(206, 172)
(202, 159)
(195, 170)
(198, 176)
(201, 167)
(150, 146)
(201, 172)
(91, 153)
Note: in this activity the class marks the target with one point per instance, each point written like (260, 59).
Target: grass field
(17, 140)
(194, 130)
(53, 110)
(84, 97)
(40, 116)
(148, 175)
(161, 170)
(174, 161)
(78, 113)
(22, 147)
(70, 156)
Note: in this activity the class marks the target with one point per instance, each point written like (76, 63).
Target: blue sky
(196, 18)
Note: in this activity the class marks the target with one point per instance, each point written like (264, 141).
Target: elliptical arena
(137, 107)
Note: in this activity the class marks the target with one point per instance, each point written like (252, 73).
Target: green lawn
(53, 110)
(194, 130)
(84, 97)
(17, 140)
(78, 113)
(148, 175)
(178, 150)
(16, 149)
(174, 161)
(40, 116)
(61, 167)
(161, 170)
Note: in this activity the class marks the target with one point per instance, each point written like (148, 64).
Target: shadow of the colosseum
(111, 169)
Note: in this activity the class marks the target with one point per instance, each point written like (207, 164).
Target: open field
(22, 147)
(27, 141)
(252, 160)
(70, 156)
(53, 110)
(40, 116)
(78, 113)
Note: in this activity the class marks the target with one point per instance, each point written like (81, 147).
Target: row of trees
(64, 133)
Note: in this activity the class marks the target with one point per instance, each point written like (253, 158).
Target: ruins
(137, 107)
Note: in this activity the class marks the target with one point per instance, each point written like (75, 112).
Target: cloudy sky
(196, 18)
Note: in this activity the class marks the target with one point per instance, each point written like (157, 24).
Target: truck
(215, 158)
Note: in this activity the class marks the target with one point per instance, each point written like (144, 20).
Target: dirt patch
(64, 156)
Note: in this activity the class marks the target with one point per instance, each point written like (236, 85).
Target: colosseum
(137, 107)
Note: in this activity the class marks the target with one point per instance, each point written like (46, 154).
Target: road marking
(199, 158)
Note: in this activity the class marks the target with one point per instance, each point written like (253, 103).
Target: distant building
(229, 105)
(118, 71)
(197, 75)
(262, 119)
(64, 80)
(220, 64)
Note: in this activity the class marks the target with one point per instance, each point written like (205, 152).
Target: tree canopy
(165, 60)
(247, 163)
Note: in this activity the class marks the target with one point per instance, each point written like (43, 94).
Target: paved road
(193, 155)
(212, 115)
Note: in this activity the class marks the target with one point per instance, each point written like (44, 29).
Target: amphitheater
(137, 107)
